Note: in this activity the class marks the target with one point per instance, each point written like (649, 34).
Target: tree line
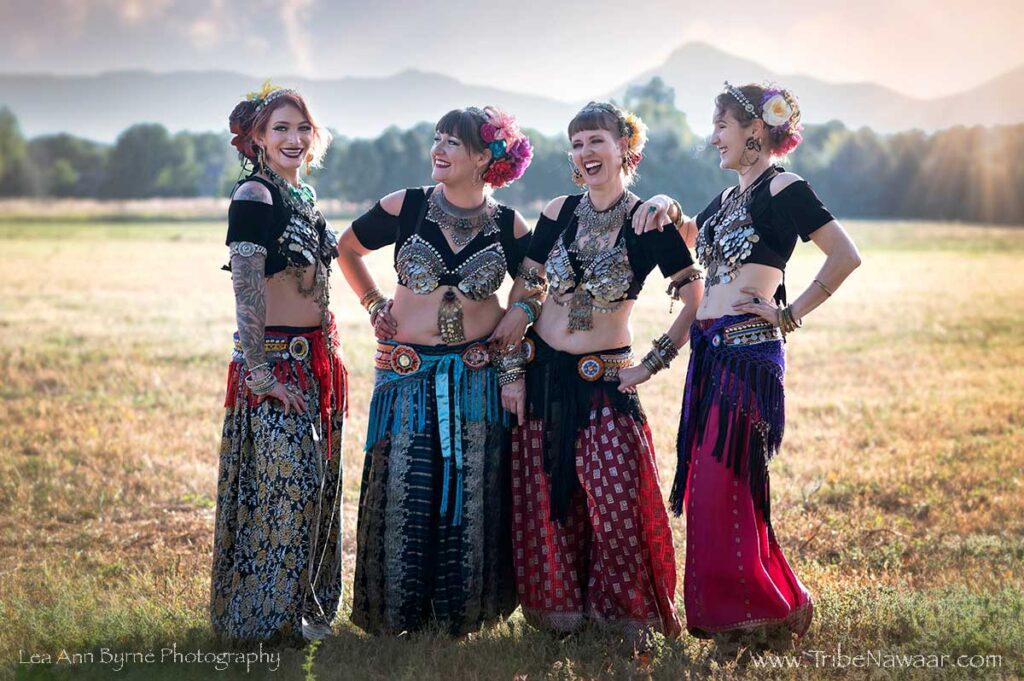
(967, 174)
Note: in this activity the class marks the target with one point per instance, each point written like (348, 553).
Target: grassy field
(898, 497)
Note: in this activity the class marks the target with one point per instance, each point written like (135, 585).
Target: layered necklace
(301, 199)
(462, 224)
(594, 225)
(728, 236)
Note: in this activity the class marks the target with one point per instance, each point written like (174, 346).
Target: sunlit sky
(565, 49)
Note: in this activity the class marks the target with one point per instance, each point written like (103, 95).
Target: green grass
(897, 497)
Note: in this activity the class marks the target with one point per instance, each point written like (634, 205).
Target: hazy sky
(560, 48)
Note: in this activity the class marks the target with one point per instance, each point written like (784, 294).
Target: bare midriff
(719, 299)
(286, 306)
(611, 329)
(416, 315)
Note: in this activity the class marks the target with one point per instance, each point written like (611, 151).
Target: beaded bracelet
(510, 377)
(531, 317)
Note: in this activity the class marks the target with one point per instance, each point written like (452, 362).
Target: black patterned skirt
(433, 541)
(277, 542)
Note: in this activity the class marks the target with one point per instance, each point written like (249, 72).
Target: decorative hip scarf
(562, 390)
(460, 380)
(292, 357)
(737, 364)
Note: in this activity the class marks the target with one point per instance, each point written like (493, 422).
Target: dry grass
(898, 496)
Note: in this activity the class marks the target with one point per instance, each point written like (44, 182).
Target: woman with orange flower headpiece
(277, 556)
(590, 531)
(432, 536)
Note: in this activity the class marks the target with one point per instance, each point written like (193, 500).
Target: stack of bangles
(373, 301)
(262, 384)
(661, 355)
(511, 367)
(531, 306)
(786, 323)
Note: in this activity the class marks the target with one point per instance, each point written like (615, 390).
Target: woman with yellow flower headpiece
(590, 531)
(277, 556)
(737, 578)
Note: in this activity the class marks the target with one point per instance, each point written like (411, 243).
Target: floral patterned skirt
(277, 542)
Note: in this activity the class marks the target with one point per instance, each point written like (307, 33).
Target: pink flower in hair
(522, 151)
(488, 133)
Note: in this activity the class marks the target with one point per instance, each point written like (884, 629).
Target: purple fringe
(746, 383)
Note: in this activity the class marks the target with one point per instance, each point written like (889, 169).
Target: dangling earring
(753, 144)
(309, 159)
(577, 176)
(259, 160)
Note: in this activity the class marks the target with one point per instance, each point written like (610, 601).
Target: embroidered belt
(404, 360)
(592, 367)
(747, 332)
(296, 347)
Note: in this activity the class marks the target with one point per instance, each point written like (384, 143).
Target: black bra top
(289, 238)
(425, 260)
(775, 221)
(616, 274)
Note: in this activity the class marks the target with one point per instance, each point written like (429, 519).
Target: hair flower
(775, 110)
(497, 148)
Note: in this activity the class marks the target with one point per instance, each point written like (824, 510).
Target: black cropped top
(289, 237)
(425, 260)
(616, 274)
(767, 233)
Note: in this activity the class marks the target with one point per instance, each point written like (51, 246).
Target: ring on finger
(755, 300)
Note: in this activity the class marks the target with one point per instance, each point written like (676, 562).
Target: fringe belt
(458, 377)
(293, 357)
(562, 390)
(737, 362)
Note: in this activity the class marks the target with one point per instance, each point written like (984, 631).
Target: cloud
(294, 16)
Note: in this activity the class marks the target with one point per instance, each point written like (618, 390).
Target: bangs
(593, 118)
(465, 125)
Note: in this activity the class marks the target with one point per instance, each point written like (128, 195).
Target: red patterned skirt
(590, 533)
(736, 576)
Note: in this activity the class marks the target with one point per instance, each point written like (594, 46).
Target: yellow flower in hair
(262, 94)
(637, 130)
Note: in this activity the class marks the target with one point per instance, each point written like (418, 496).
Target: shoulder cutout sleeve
(799, 208)
(250, 221)
(376, 228)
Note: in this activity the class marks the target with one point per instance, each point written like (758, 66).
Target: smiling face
(730, 138)
(286, 139)
(453, 162)
(597, 154)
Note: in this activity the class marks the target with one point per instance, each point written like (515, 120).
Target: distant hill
(696, 72)
(100, 107)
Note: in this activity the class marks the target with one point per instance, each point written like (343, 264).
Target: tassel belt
(747, 332)
(464, 389)
(405, 360)
(590, 367)
(282, 349)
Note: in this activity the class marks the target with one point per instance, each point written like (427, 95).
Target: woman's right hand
(288, 397)
(384, 325)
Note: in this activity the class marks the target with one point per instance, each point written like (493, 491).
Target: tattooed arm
(247, 276)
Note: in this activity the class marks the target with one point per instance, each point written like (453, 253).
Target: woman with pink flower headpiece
(432, 535)
(590, 530)
(736, 577)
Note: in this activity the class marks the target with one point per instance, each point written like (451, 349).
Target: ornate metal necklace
(593, 225)
(728, 236)
(300, 199)
(463, 224)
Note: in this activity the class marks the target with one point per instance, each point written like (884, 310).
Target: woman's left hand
(652, 215)
(513, 399)
(630, 377)
(764, 307)
(510, 330)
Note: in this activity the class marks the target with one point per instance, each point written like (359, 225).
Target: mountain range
(100, 107)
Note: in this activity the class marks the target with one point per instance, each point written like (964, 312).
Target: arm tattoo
(250, 305)
(253, 191)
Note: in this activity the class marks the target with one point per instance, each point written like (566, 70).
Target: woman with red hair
(277, 552)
